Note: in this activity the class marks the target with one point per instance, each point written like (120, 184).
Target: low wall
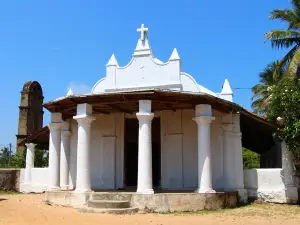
(39, 178)
(161, 202)
(10, 179)
(268, 185)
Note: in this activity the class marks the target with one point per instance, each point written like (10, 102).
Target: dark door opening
(131, 151)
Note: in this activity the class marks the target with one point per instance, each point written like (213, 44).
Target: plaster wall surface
(268, 185)
(264, 179)
(106, 163)
(178, 151)
(149, 73)
(39, 180)
(165, 202)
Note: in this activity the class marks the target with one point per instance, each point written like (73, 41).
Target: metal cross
(143, 31)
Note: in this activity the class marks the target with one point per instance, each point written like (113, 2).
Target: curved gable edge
(189, 84)
(99, 86)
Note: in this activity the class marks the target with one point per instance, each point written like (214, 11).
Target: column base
(205, 191)
(25, 188)
(242, 196)
(145, 191)
(83, 190)
(53, 188)
(64, 187)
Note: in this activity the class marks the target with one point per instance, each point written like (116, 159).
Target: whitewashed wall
(268, 185)
(217, 152)
(106, 154)
(39, 179)
(178, 151)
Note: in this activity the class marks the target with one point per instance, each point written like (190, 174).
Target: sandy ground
(19, 209)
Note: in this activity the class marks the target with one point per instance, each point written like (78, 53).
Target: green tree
(17, 160)
(251, 159)
(285, 104)
(4, 157)
(41, 158)
(289, 38)
(262, 92)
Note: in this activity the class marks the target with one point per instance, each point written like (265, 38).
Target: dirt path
(29, 209)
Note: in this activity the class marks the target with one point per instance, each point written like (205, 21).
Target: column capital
(84, 120)
(55, 126)
(204, 119)
(144, 116)
(227, 127)
(66, 133)
(30, 145)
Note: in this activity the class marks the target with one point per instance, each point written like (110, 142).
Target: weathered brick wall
(10, 179)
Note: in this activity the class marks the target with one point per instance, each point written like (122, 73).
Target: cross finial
(143, 31)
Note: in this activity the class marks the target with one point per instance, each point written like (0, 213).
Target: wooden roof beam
(117, 107)
(169, 107)
(100, 111)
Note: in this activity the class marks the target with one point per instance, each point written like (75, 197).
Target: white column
(84, 119)
(203, 117)
(288, 167)
(29, 162)
(233, 158)
(144, 184)
(229, 176)
(237, 146)
(54, 151)
(65, 159)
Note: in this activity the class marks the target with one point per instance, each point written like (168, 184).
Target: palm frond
(272, 73)
(291, 71)
(286, 15)
(296, 5)
(258, 107)
(283, 38)
(259, 91)
(282, 65)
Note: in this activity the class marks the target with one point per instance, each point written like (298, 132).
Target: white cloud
(79, 88)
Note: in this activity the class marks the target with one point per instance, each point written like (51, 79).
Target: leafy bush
(251, 159)
(285, 104)
(17, 160)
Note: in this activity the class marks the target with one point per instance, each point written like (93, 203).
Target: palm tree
(289, 38)
(262, 92)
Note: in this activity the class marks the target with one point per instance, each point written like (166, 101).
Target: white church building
(147, 127)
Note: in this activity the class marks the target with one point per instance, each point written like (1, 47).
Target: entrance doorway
(131, 152)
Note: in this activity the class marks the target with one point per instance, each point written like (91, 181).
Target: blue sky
(64, 44)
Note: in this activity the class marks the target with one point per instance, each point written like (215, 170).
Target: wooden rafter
(119, 108)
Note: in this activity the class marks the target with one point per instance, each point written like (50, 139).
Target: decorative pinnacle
(226, 89)
(70, 92)
(112, 61)
(174, 55)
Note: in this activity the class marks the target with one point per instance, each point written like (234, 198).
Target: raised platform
(158, 202)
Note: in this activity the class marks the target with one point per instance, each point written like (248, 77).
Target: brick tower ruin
(31, 111)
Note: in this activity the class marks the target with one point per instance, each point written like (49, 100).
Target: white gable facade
(197, 150)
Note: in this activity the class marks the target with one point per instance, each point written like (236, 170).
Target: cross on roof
(143, 31)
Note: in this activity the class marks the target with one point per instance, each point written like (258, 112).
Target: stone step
(106, 204)
(108, 210)
(111, 196)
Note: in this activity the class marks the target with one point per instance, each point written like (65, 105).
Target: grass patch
(5, 192)
(250, 209)
(203, 212)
